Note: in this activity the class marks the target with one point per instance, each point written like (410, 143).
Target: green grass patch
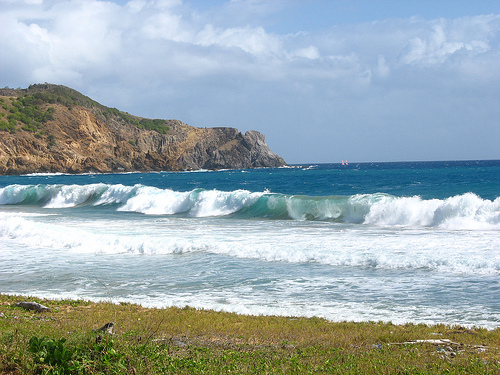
(192, 341)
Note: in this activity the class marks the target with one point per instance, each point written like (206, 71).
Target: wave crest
(466, 211)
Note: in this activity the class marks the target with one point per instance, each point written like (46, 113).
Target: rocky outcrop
(223, 147)
(92, 138)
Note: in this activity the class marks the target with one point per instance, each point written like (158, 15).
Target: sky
(325, 81)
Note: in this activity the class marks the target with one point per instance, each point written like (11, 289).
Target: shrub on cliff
(26, 110)
(7, 126)
(156, 124)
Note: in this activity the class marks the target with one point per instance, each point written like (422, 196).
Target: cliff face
(83, 136)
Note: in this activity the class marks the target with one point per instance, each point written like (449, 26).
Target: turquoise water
(401, 242)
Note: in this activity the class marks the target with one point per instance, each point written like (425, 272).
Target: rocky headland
(52, 128)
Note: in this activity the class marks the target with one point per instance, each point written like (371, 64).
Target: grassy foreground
(191, 341)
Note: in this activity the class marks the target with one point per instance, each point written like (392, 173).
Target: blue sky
(311, 15)
(324, 80)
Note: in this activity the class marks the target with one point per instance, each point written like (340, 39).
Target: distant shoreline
(298, 165)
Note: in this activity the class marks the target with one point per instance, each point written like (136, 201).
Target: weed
(52, 352)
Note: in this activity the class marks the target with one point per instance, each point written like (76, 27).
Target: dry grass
(187, 340)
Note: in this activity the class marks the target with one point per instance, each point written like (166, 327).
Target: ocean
(405, 242)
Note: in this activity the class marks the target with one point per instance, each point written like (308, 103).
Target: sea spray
(271, 241)
(467, 211)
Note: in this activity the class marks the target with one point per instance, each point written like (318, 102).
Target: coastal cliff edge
(52, 128)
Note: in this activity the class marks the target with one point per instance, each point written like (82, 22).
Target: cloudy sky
(373, 80)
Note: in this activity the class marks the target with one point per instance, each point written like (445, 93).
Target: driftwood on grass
(33, 306)
(430, 341)
(442, 342)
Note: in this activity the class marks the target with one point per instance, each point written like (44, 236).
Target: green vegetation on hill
(28, 110)
(192, 341)
(142, 123)
(61, 94)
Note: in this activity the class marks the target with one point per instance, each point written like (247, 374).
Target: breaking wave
(467, 211)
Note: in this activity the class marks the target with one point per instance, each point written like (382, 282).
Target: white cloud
(91, 35)
(310, 52)
(190, 64)
(165, 26)
(443, 39)
(254, 41)
(382, 69)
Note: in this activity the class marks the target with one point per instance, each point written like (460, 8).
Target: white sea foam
(154, 201)
(323, 243)
(461, 212)
(146, 259)
(74, 195)
(467, 211)
(217, 203)
(46, 174)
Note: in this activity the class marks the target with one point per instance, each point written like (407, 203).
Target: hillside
(52, 128)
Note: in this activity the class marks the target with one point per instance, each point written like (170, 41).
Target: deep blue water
(426, 179)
